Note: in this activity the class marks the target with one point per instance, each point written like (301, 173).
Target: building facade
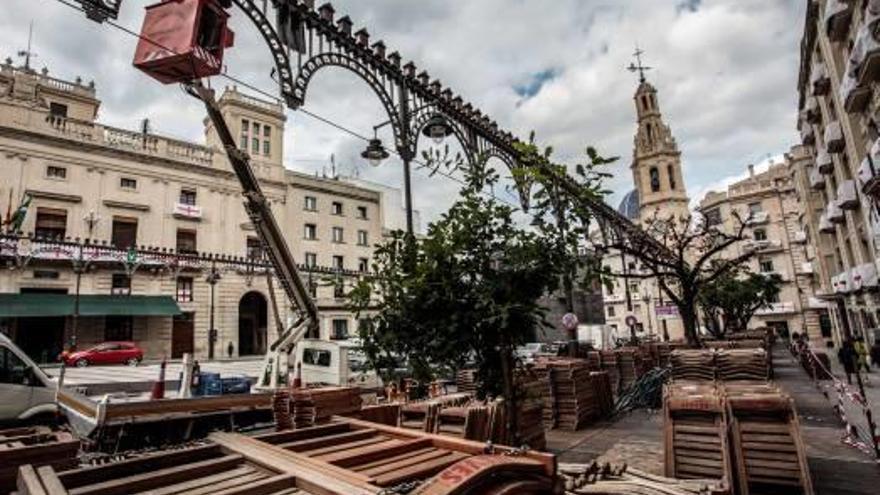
(659, 195)
(837, 178)
(768, 202)
(111, 213)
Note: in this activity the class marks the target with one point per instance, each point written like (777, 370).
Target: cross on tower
(28, 54)
(637, 66)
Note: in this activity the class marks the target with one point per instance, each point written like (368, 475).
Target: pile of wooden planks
(309, 406)
(39, 446)
(342, 457)
(693, 364)
(465, 381)
(630, 365)
(386, 414)
(609, 480)
(695, 432)
(422, 415)
(571, 399)
(768, 451)
(742, 364)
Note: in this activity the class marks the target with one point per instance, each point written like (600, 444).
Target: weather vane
(637, 66)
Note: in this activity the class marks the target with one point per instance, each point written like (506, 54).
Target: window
(336, 209)
(340, 330)
(362, 212)
(825, 325)
(311, 259)
(760, 235)
(337, 235)
(185, 289)
(713, 217)
(120, 284)
(56, 172)
(46, 274)
(58, 110)
(316, 357)
(339, 288)
(254, 248)
(671, 173)
(311, 231)
(655, 179)
(124, 232)
(313, 289)
(118, 328)
(362, 238)
(255, 138)
(338, 262)
(267, 146)
(245, 128)
(311, 203)
(611, 311)
(128, 183)
(186, 241)
(766, 266)
(187, 197)
(12, 369)
(363, 265)
(755, 208)
(51, 223)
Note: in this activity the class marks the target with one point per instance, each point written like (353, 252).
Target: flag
(17, 219)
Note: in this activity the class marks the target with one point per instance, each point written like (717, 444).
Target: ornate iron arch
(464, 136)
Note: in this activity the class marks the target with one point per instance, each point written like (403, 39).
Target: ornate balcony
(762, 245)
(806, 269)
(835, 213)
(819, 79)
(838, 15)
(808, 136)
(799, 237)
(824, 164)
(869, 175)
(825, 225)
(864, 276)
(855, 97)
(780, 308)
(842, 283)
(834, 142)
(817, 180)
(865, 54)
(847, 198)
(757, 218)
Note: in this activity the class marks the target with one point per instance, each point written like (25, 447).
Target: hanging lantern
(184, 40)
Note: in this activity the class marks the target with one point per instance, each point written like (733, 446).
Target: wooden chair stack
(768, 451)
(468, 422)
(464, 381)
(39, 446)
(693, 364)
(602, 391)
(630, 365)
(571, 395)
(742, 364)
(695, 431)
(609, 362)
(309, 406)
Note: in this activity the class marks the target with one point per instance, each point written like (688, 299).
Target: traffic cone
(158, 391)
(298, 378)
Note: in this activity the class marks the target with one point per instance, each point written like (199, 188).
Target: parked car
(27, 394)
(105, 353)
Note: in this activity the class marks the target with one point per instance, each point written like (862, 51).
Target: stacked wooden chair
(742, 364)
(693, 364)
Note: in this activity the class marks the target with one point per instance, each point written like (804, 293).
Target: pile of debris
(594, 479)
(40, 446)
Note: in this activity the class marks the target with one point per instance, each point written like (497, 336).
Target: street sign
(666, 312)
(631, 321)
(569, 321)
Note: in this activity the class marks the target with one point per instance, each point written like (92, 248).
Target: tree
(733, 299)
(698, 253)
(465, 294)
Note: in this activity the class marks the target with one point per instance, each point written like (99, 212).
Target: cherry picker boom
(275, 369)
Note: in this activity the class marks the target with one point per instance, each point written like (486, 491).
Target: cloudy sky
(726, 72)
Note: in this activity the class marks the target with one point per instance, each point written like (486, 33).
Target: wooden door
(182, 335)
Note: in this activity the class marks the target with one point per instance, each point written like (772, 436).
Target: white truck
(27, 394)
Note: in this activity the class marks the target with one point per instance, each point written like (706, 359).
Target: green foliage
(735, 297)
(465, 293)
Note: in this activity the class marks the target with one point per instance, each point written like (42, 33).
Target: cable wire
(311, 114)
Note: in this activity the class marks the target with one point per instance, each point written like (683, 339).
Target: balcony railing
(817, 179)
(613, 298)
(842, 282)
(778, 308)
(838, 15)
(811, 110)
(869, 178)
(806, 268)
(834, 142)
(762, 245)
(757, 218)
(824, 164)
(847, 198)
(81, 131)
(825, 225)
(800, 237)
(184, 210)
(819, 79)
(855, 97)
(808, 136)
(865, 54)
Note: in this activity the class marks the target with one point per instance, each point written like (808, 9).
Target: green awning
(89, 305)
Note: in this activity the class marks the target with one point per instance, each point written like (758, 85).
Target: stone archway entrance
(252, 324)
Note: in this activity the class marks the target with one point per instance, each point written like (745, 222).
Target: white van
(26, 392)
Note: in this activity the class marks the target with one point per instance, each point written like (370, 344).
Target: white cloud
(725, 69)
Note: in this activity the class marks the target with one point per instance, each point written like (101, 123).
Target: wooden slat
(362, 456)
(315, 443)
(264, 487)
(29, 482)
(303, 433)
(202, 484)
(419, 470)
(382, 460)
(382, 468)
(158, 478)
(50, 480)
(320, 453)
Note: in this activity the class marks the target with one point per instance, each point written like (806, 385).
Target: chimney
(751, 170)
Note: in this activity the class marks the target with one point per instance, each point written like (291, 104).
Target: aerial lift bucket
(184, 40)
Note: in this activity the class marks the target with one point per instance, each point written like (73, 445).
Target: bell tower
(656, 164)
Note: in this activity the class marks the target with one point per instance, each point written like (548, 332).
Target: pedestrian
(862, 354)
(847, 357)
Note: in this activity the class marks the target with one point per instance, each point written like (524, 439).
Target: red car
(105, 353)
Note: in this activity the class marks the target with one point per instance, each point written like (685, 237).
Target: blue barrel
(236, 385)
(210, 384)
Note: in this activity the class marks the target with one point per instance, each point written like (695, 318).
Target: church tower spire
(656, 164)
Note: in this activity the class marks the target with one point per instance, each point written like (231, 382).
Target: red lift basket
(183, 40)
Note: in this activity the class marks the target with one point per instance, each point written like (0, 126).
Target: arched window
(671, 172)
(646, 105)
(655, 179)
(649, 130)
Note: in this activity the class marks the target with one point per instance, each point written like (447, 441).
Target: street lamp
(375, 152)
(437, 129)
(646, 297)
